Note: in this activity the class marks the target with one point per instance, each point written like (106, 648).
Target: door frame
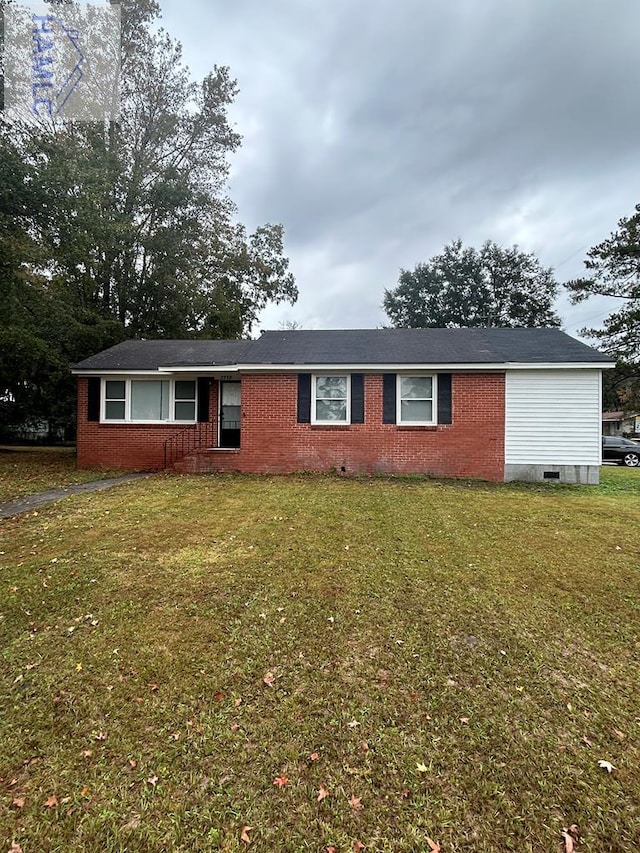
(221, 383)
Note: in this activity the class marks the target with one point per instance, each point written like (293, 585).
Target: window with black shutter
(389, 398)
(93, 398)
(357, 398)
(304, 398)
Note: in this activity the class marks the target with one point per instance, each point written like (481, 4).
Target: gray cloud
(378, 131)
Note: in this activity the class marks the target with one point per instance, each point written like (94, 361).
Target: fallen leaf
(85, 792)
(322, 793)
(153, 687)
(269, 678)
(314, 756)
(218, 696)
(234, 727)
(606, 765)
(101, 736)
(570, 838)
(152, 780)
(237, 701)
(244, 835)
(87, 753)
(464, 720)
(364, 746)
(414, 697)
(358, 846)
(280, 781)
(421, 768)
(405, 793)
(353, 724)
(51, 801)
(355, 802)
(65, 800)
(133, 763)
(15, 848)
(18, 802)
(331, 849)
(433, 845)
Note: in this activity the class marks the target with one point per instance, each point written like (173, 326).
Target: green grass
(459, 655)
(29, 470)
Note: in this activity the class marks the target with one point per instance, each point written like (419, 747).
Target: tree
(124, 228)
(614, 270)
(464, 286)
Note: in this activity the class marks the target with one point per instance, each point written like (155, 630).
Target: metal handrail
(191, 438)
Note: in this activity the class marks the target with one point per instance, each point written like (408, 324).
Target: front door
(229, 414)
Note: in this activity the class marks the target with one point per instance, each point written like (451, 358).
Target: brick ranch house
(497, 404)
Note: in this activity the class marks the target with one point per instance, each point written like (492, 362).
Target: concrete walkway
(31, 502)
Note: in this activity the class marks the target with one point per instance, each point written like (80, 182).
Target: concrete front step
(209, 461)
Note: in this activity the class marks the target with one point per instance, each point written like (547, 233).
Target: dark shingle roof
(426, 346)
(355, 346)
(149, 355)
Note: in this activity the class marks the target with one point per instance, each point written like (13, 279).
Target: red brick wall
(134, 446)
(273, 442)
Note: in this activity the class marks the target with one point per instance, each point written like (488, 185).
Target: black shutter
(444, 398)
(93, 398)
(203, 399)
(304, 398)
(388, 398)
(357, 398)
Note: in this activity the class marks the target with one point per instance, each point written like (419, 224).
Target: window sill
(417, 427)
(148, 423)
(331, 427)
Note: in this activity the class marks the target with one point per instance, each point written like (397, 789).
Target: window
(150, 400)
(330, 403)
(416, 400)
(114, 400)
(185, 400)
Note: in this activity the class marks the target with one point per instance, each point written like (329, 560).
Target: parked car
(620, 450)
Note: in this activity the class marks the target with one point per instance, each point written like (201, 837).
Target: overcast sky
(376, 131)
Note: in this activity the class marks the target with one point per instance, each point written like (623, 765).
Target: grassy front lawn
(28, 470)
(186, 657)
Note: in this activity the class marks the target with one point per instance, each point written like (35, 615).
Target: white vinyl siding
(553, 417)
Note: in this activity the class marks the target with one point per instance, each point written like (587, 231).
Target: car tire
(631, 460)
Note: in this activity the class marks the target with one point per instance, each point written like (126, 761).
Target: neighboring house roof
(618, 416)
(355, 346)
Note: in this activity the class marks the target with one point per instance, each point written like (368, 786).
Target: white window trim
(127, 400)
(314, 420)
(434, 392)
